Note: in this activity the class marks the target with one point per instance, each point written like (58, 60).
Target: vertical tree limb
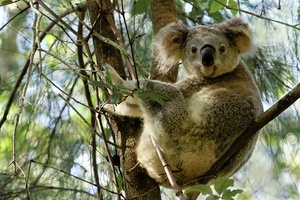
(162, 14)
(137, 183)
(89, 101)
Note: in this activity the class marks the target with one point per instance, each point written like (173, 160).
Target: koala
(206, 110)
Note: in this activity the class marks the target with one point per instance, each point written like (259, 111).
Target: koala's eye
(222, 49)
(193, 49)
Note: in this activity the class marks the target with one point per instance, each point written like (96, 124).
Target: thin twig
(260, 16)
(119, 39)
(115, 45)
(69, 174)
(61, 90)
(52, 134)
(133, 71)
(85, 121)
(65, 63)
(89, 101)
(168, 170)
(81, 6)
(57, 18)
(105, 141)
(19, 13)
(17, 194)
(78, 113)
(23, 96)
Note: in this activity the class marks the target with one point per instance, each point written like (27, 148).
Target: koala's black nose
(208, 54)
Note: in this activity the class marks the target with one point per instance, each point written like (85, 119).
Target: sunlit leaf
(141, 6)
(221, 184)
(229, 194)
(108, 78)
(124, 90)
(116, 97)
(233, 4)
(204, 189)
(211, 197)
(216, 6)
(120, 181)
(5, 2)
(98, 84)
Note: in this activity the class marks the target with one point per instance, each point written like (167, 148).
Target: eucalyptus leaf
(116, 98)
(5, 2)
(221, 184)
(108, 78)
(124, 90)
(229, 194)
(204, 189)
(233, 4)
(143, 95)
(98, 84)
(211, 197)
(216, 6)
(141, 6)
(120, 181)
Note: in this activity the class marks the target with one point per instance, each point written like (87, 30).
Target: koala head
(207, 51)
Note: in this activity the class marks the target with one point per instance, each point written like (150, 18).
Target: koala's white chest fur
(199, 102)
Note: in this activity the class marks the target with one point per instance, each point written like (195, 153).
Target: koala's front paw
(123, 109)
(110, 108)
(117, 80)
(110, 71)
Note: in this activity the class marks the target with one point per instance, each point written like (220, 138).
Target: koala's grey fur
(206, 111)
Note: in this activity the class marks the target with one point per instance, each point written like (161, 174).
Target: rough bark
(104, 52)
(136, 182)
(162, 14)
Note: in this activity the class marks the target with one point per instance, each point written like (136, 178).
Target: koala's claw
(110, 108)
(115, 77)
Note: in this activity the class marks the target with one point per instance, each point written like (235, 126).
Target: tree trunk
(137, 184)
(162, 14)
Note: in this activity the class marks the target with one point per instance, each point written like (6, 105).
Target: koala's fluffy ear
(239, 33)
(168, 45)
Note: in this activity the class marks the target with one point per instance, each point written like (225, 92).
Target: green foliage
(220, 4)
(221, 188)
(151, 94)
(217, 5)
(120, 92)
(5, 2)
(120, 181)
(141, 6)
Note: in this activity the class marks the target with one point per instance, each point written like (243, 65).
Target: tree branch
(162, 14)
(89, 101)
(259, 16)
(136, 182)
